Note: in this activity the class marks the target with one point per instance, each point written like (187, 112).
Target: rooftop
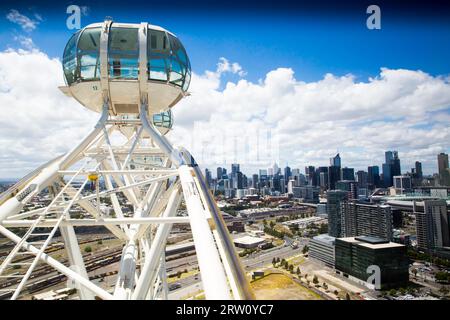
(383, 245)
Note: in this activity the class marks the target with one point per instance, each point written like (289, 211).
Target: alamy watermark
(373, 22)
(375, 276)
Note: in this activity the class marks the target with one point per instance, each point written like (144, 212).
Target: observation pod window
(89, 55)
(158, 54)
(123, 53)
(179, 66)
(163, 119)
(70, 59)
(167, 59)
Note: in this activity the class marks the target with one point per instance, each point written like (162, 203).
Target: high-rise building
(334, 199)
(373, 177)
(335, 161)
(418, 171)
(287, 173)
(347, 173)
(432, 225)
(348, 186)
(391, 168)
(255, 181)
(366, 220)
(417, 175)
(276, 169)
(362, 178)
(237, 180)
(219, 173)
(444, 174)
(208, 177)
(310, 174)
(234, 168)
(403, 184)
(334, 175)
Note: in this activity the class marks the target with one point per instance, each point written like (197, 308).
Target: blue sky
(386, 89)
(312, 40)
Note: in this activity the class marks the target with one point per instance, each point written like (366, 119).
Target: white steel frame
(155, 190)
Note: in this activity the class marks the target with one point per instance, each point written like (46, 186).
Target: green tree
(305, 249)
(325, 286)
(298, 271)
(291, 268)
(87, 249)
(274, 261)
(347, 296)
(414, 270)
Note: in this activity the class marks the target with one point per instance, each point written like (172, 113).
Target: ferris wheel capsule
(126, 65)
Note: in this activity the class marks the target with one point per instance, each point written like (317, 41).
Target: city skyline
(405, 168)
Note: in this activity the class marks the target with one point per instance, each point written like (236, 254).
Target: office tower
(403, 184)
(237, 180)
(290, 186)
(323, 178)
(270, 172)
(244, 181)
(234, 168)
(373, 177)
(263, 178)
(255, 181)
(310, 173)
(417, 175)
(282, 186)
(334, 175)
(391, 168)
(224, 172)
(219, 173)
(321, 248)
(366, 220)
(348, 186)
(276, 169)
(347, 174)
(334, 199)
(432, 225)
(208, 177)
(362, 177)
(354, 255)
(335, 161)
(287, 173)
(418, 171)
(444, 174)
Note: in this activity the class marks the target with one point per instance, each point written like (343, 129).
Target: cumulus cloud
(23, 21)
(38, 122)
(279, 118)
(308, 122)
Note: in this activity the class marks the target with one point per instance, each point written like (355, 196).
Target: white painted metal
(143, 171)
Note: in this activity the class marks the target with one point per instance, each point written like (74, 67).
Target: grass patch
(276, 286)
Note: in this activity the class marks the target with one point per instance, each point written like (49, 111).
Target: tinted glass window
(89, 54)
(70, 59)
(123, 53)
(158, 52)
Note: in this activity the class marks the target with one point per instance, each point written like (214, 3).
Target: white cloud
(25, 22)
(26, 43)
(404, 110)
(38, 122)
(290, 120)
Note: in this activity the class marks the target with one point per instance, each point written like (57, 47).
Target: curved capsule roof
(119, 49)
